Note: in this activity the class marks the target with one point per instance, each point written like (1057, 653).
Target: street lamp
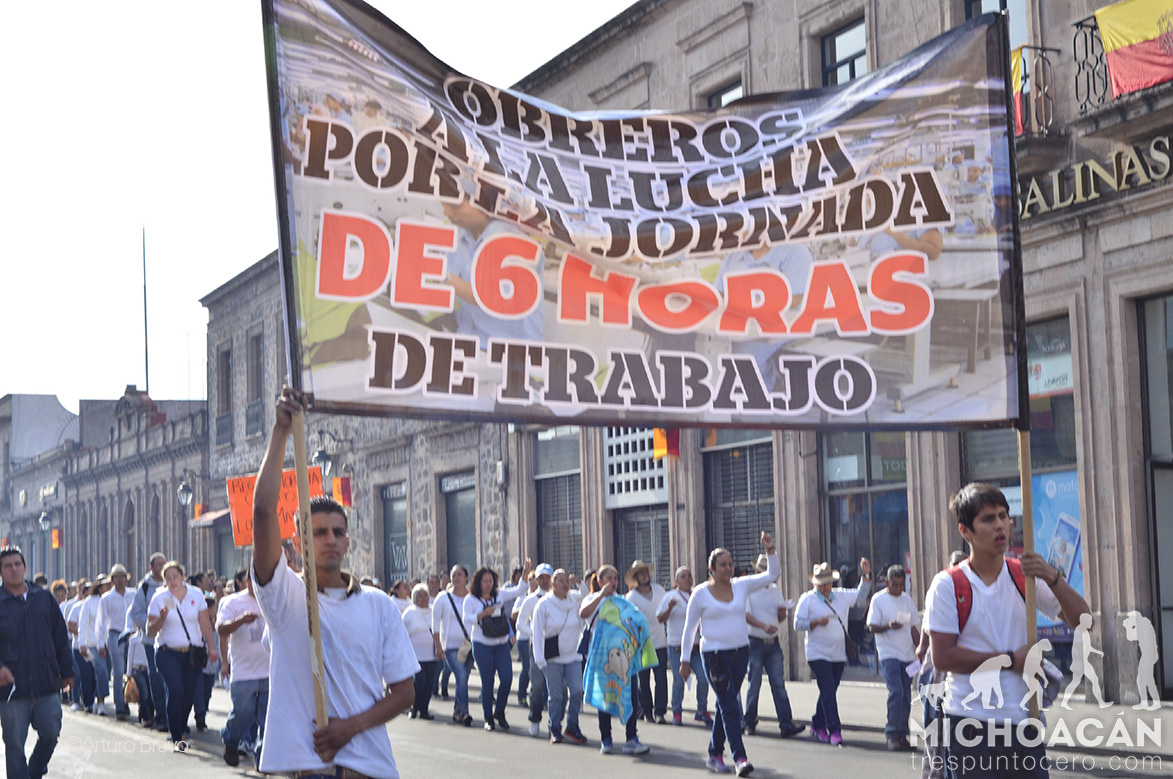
(185, 493)
(322, 458)
(44, 522)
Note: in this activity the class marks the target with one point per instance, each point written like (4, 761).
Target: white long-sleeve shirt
(474, 606)
(447, 617)
(826, 642)
(87, 624)
(556, 616)
(525, 613)
(112, 615)
(722, 625)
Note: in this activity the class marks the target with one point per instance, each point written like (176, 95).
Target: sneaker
(178, 746)
(468, 721)
(836, 739)
(521, 701)
(490, 726)
(576, 737)
(555, 737)
(677, 719)
(231, 756)
(201, 725)
(705, 717)
(535, 730)
(744, 768)
(101, 710)
(660, 720)
(424, 715)
(412, 714)
(894, 745)
(792, 729)
(605, 747)
(717, 765)
(751, 730)
(501, 723)
(818, 734)
(75, 707)
(635, 747)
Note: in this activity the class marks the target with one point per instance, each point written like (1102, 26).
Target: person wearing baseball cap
(112, 610)
(533, 681)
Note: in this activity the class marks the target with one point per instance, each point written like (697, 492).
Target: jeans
(44, 715)
(442, 677)
(203, 693)
(101, 673)
(460, 671)
(179, 682)
(605, 719)
(423, 686)
(827, 675)
(993, 755)
(145, 705)
(702, 684)
(116, 658)
(158, 690)
(767, 655)
(564, 681)
(660, 672)
(85, 677)
(494, 663)
(899, 697)
(538, 690)
(732, 664)
(75, 690)
(526, 659)
(250, 701)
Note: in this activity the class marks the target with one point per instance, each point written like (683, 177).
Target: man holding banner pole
(366, 650)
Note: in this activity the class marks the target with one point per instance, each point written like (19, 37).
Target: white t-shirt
(894, 644)
(675, 623)
(525, 613)
(557, 616)
(647, 605)
(136, 654)
(247, 654)
(364, 647)
(418, 623)
(827, 642)
(997, 623)
(190, 606)
(112, 615)
(474, 605)
(722, 625)
(446, 620)
(763, 606)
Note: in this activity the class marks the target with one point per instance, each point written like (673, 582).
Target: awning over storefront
(207, 520)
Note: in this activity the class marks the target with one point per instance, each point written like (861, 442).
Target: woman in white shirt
(417, 618)
(448, 626)
(486, 619)
(178, 618)
(671, 612)
(92, 645)
(556, 629)
(823, 613)
(717, 610)
(401, 594)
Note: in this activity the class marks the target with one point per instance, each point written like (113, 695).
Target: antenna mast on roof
(146, 343)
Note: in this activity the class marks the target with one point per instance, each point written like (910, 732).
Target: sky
(128, 116)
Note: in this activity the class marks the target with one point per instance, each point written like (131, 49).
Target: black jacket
(34, 643)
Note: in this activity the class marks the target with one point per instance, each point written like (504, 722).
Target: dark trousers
(659, 705)
(158, 691)
(827, 676)
(88, 680)
(526, 659)
(725, 670)
(423, 686)
(538, 691)
(179, 682)
(632, 721)
(995, 755)
(16, 716)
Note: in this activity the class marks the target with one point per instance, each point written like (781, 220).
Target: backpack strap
(964, 591)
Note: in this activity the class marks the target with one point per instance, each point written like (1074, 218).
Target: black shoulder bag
(197, 656)
(848, 644)
(494, 625)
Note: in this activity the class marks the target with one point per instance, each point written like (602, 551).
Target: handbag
(466, 646)
(848, 643)
(495, 625)
(584, 641)
(130, 691)
(197, 656)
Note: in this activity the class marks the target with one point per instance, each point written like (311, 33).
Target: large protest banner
(830, 257)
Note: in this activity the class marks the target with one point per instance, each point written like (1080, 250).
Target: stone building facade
(1099, 300)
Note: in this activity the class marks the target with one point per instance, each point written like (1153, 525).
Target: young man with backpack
(977, 614)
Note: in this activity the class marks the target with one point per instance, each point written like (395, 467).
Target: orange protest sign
(240, 503)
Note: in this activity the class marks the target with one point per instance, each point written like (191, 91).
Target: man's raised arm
(266, 527)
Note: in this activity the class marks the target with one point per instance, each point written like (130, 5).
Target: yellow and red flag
(665, 442)
(1138, 43)
(341, 490)
(1016, 65)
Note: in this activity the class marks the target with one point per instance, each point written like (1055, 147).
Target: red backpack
(964, 590)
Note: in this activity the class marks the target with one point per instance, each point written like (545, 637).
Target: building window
(1017, 13)
(725, 95)
(739, 499)
(254, 411)
(845, 56)
(224, 398)
(634, 477)
(558, 482)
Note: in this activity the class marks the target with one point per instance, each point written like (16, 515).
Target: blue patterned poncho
(621, 645)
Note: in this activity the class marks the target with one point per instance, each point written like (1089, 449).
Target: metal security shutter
(560, 522)
(642, 534)
(739, 497)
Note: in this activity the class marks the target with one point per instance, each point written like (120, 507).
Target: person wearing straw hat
(645, 595)
(112, 610)
(822, 612)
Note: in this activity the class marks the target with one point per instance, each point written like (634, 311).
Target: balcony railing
(224, 429)
(254, 417)
(1091, 69)
(1038, 107)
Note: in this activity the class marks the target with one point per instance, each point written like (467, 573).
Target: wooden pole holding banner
(1028, 545)
(305, 535)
